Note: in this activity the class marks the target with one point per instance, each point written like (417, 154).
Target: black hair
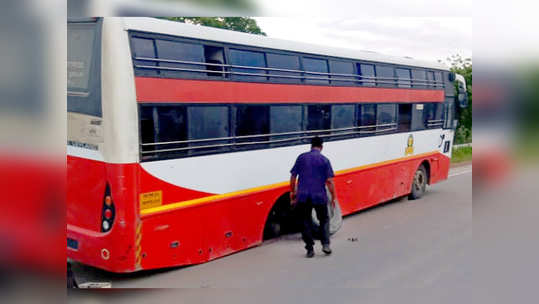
(317, 142)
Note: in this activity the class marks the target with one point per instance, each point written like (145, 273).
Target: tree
(239, 24)
(463, 67)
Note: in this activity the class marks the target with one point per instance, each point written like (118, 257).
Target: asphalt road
(400, 244)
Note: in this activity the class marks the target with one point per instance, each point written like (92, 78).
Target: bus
(181, 137)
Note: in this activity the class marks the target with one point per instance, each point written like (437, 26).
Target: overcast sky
(426, 38)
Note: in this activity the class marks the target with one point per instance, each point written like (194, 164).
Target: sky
(424, 38)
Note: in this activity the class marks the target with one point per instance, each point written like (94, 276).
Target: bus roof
(168, 27)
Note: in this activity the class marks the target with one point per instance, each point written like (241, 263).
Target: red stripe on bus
(203, 91)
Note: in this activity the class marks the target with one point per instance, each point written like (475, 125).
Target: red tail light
(108, 212)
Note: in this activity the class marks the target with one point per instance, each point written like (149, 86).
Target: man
(315, 172)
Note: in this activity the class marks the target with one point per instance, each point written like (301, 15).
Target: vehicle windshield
(83, 80)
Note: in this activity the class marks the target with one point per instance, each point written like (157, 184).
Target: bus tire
(282, 219)
(419, 183)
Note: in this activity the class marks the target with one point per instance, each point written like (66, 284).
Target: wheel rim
(419, 180)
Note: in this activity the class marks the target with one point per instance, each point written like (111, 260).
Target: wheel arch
(426, 163)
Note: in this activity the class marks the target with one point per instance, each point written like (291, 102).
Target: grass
(461, 155)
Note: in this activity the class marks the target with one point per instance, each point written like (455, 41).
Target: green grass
(461, 155)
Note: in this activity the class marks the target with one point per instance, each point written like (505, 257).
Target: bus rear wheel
(419, 183)
(282, 219)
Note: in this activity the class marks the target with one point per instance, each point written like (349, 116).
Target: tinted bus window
(419, 78)
(315, 65)
(367, 118)
(319, 117)
(84, 68)
(208, 122)
(404, 76)
(285, 118)
(405, 117)
(183, 52)
(343, 116)
(438, 79)
(418, 122)
(449, 113)
(215, 56)
(385, 76)
(288, 62)
(386, 116)
(144, 48)
(250, 59)
(430, 78)
(252, 120)
(367, 73)
(172, 123)
(433, 115)
(341, 67)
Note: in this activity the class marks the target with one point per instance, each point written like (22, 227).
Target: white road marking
(460, 173)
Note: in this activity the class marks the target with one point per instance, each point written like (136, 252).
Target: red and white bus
(181, 137)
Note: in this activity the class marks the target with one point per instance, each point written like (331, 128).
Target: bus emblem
(409, 146)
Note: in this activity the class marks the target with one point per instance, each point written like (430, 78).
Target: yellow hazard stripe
(217, 197)
(138, 247)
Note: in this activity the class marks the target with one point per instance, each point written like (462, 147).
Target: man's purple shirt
(313, 169)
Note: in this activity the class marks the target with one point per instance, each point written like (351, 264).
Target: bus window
(172, 123)
(419, 77)
(367, 74)
(418, 122)
(207, 122)
(248, 59)
(288, 62)
(83, 68)
(252, 120)
(433, 115)
(216, 57)
(341, 67)
(343, 116)
(430, 78)
(439, 80)
(449, 116)
(181, 51)
(286, 118)
(405, 117)
(317, 66)
(367, 119)
(386, 117)
(403, 76)
(144, 48)
(448, 84)
(318, 117)
(385, 76)
(163, 123)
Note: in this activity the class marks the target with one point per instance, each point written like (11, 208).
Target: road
(422, 243)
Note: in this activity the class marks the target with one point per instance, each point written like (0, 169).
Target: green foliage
(461, 155)
(463, 67)
(239, 24)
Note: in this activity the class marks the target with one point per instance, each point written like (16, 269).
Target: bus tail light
(108, 212)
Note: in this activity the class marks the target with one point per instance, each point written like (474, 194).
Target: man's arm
(293, 188)
(331, 187)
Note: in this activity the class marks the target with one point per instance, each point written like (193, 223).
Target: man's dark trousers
(306, 210)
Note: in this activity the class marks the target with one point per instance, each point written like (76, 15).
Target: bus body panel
(112, 250)
(202, 232)
(163, 90)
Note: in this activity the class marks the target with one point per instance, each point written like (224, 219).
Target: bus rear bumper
(100, 250)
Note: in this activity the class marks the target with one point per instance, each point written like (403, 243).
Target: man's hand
(333, 199)
(292, 198)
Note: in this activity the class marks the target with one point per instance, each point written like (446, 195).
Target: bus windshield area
(83, 77)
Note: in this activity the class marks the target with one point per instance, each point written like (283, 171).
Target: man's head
(317, 142)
